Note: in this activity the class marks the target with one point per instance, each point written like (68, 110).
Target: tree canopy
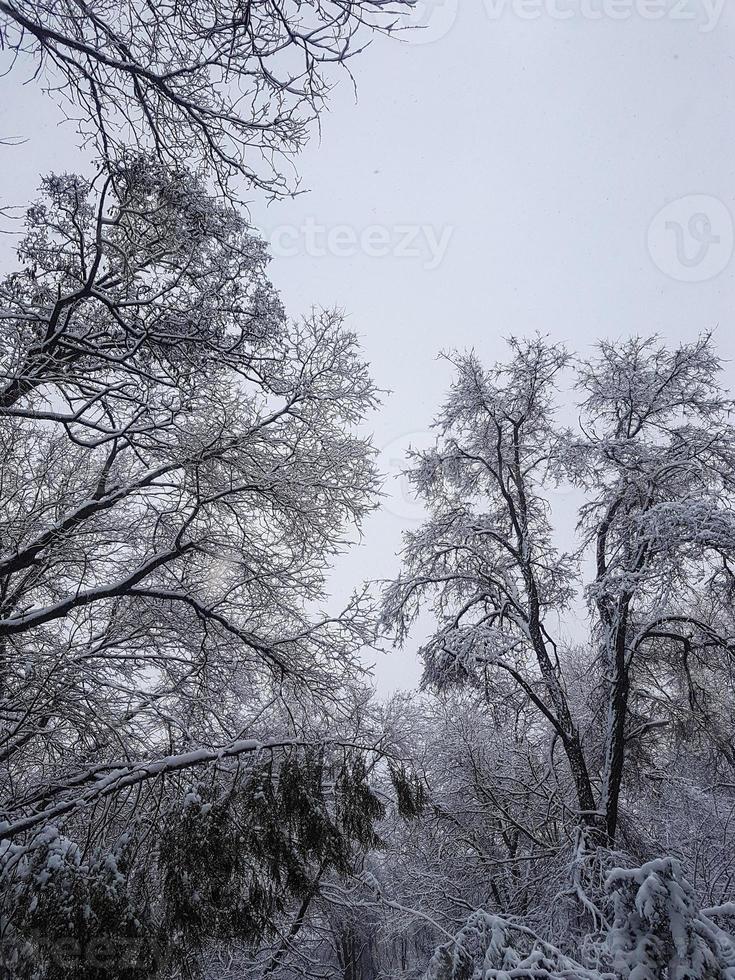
(229, 86)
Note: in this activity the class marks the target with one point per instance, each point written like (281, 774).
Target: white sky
(544, 148)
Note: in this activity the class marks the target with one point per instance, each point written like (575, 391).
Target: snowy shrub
(490, 948)
(73, 915)
(658, 931)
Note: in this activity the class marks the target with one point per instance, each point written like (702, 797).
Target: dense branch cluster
(193, 469)
(230, 85)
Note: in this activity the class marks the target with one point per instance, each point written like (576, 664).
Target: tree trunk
(617, 712)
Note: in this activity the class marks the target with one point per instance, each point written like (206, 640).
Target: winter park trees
(182, 753)
(192, 778)
(195, 779)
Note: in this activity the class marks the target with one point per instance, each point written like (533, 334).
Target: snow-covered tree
(180, 464)
(653, 456)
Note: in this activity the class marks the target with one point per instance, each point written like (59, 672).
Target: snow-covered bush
(491, 948)
(659, 932)
(73, 914)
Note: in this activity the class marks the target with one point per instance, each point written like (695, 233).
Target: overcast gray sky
(555, 165)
